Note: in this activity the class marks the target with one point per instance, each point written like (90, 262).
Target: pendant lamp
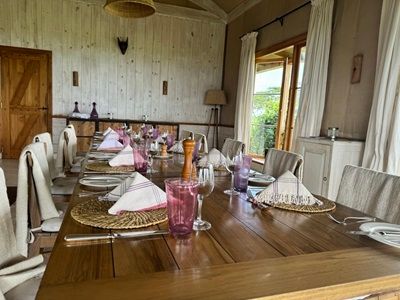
(130, 8)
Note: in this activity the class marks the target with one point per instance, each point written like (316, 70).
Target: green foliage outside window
(264, 120)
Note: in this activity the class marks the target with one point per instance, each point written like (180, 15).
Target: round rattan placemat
(95, 213)
(106, 168)
(327, 205)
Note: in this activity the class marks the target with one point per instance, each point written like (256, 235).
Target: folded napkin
(287, 189)
(214, 157)
(136, 193)
(110, 144)
(123, 158)
(111, 135)
(178, 147)
(107, 131)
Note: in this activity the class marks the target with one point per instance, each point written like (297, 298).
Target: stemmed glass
(205, 178)
(230, 166)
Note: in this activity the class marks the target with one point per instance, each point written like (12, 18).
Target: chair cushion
(26, 290)
(52, 225)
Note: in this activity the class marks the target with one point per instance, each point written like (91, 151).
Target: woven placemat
(95, 213)
(327, 205)
(106, 168)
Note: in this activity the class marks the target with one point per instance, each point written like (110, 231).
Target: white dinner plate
(372, 227)
(101, 181)
(261, 179)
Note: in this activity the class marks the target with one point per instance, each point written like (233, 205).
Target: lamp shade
(130, 8)
(215, 97)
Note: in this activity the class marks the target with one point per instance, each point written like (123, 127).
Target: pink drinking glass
(181, 205)
(140, 158)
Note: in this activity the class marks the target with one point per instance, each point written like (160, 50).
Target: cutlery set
(113, 235)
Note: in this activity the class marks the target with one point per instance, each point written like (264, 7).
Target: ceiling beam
(212, 7)
(241, 9)
(185, 12)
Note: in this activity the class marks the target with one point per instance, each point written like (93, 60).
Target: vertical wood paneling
(187, 53)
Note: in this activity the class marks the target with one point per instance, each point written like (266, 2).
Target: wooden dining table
(248, 253)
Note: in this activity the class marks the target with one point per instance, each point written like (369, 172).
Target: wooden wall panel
(188, 53)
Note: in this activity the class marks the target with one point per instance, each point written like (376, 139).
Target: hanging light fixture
(130, 8)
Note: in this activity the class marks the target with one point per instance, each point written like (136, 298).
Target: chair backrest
(186, 134)
(278, 162)
(46, 139)
(374, 193)
(202, 140)
(232, 147)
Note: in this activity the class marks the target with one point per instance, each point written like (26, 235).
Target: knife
(114, 235)
(382, 233)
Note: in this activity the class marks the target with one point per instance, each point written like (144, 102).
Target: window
(277, 89)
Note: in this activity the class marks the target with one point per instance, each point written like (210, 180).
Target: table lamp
(216, 98)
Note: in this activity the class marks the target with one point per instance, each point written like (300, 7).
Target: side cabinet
(324, 162)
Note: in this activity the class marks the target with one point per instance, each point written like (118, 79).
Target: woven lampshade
(215, 97)
(130, 8)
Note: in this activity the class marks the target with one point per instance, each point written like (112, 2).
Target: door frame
(28, 51)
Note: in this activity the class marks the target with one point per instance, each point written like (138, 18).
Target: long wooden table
(247, 253)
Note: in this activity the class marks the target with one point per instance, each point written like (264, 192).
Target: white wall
(187, 53)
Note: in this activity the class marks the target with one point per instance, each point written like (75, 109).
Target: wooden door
(25, 97)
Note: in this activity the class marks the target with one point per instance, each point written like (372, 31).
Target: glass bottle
(94, 114)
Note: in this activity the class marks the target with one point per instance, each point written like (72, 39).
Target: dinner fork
(356, 219)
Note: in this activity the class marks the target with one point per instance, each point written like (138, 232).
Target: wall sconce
(123, 45)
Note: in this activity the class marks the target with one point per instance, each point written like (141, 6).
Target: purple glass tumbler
(242, 170)
(181, 205)
(140, 158)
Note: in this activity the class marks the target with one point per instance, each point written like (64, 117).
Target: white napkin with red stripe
(123, 158)
(110, 144)
(287, 189)
(136, 193)
(107, 131)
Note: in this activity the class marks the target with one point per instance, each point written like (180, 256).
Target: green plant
(264, 120)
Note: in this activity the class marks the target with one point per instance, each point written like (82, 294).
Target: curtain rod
(280, 18)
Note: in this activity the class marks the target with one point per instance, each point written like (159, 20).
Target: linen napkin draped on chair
(123, 158)
(277, 162)
(214, 157)
(46, 205)
(136, 193)
(287, 189)
(14, 268)
(46, 139)
(66, 150)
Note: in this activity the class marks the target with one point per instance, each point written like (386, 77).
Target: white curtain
(244, 98)
(312, 96)
(382, 146)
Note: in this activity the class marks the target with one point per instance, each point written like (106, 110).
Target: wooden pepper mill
(188, 148)
(164, 150)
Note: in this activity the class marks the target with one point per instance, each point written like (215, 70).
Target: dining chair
(374, 193)
(19, 276)
(232, 147)
(278, 162)
(60, 185)
(202, 140)
(187, 134)
(67, 159)
(37, 219)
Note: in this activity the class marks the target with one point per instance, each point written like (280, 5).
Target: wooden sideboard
(85, 128)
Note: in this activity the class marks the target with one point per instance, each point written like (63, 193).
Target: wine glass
(205, 178)
(230, 166)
